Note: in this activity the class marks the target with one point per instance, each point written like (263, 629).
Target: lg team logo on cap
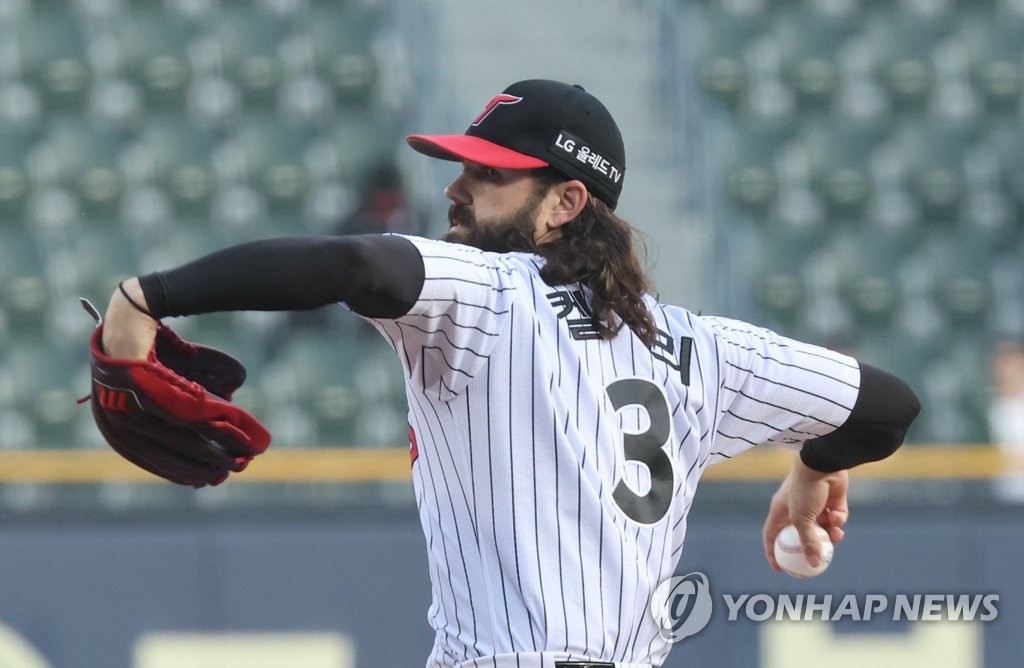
(682, 606)
(496, 102)
(579, 150)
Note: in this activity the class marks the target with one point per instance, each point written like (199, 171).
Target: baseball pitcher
(561, 416)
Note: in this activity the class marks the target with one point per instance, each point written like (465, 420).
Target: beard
(510, 233)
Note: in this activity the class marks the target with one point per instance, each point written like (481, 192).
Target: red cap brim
(473, 149)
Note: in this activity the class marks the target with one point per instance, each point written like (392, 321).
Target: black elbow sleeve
(875, 428)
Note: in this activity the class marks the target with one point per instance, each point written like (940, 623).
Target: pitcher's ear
(572, 197)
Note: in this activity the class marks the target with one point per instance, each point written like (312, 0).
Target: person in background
(1006, 417)
(384, 206)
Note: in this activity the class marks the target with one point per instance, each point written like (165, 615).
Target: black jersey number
(647, 448)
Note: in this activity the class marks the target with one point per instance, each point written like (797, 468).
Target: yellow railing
(316, 465)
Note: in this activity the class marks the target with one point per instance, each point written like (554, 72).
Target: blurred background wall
(846, 172)
(346, 590)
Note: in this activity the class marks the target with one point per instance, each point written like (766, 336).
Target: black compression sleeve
(875, 429)
(379, 276)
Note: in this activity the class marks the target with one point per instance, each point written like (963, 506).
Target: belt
(545, 661)
(599, 664)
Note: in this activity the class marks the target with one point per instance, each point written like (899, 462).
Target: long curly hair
(598, 249)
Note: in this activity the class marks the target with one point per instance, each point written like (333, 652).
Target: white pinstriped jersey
(554, 470)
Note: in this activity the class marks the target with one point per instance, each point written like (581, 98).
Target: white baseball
(789, 553)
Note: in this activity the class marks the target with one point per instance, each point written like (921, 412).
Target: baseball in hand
(789, 553)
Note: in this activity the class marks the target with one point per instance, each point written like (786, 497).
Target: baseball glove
(171, 414)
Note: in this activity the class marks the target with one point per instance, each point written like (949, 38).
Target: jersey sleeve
(776, 390)
(448, 334)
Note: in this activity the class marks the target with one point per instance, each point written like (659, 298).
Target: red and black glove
(172, 413)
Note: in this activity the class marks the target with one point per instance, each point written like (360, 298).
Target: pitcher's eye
(483, 172)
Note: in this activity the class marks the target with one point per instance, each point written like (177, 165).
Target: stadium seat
(752, 186)
(989, 211)
(55, 413)
(153, 45)
(333, 379)
(144, 211)
(246, 43)
(100, 188)
(935, 151)
(14, 188)
(729, 28)
(116, 102)
(342, 34)
(993, 42)
(24, 289)
(173, 154)
(780, 281)
(44, 378)
(213, 100)
(356, 142)
(21, 108)
(64, 83)
(958, 381)
(868, 281)
(751, 179)
(769, 98)
(292, 381)
(960, 264)
(1008, 146)
(780, 291)
(799, 209)
(724, 76)
(262, 181)
(16, 430)
(902, 40)
(273, 153)
(76, 155)
(860, 99)
(26, 299)
(15, 184)
(893, 216)
(874, 296)
(840, 156)
(100, 258)
(192, 188)
(306, 99)
(815, 34)
(52, 52)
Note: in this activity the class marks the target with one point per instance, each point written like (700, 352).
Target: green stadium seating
(868, 281)
(152, 45)
(722, 70)
(138, 135)
(751, 180)
(814, 33)
(902, 41)
(15, 182)
(886, 207)
(24, 290)
(342, 41)
(935, 151)
(840, 157)
(992, 39)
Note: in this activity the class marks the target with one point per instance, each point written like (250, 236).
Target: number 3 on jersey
(647, 448)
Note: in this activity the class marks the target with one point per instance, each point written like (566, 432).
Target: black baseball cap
(540, 123)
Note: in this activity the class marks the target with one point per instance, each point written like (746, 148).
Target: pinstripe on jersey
(555, 470)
